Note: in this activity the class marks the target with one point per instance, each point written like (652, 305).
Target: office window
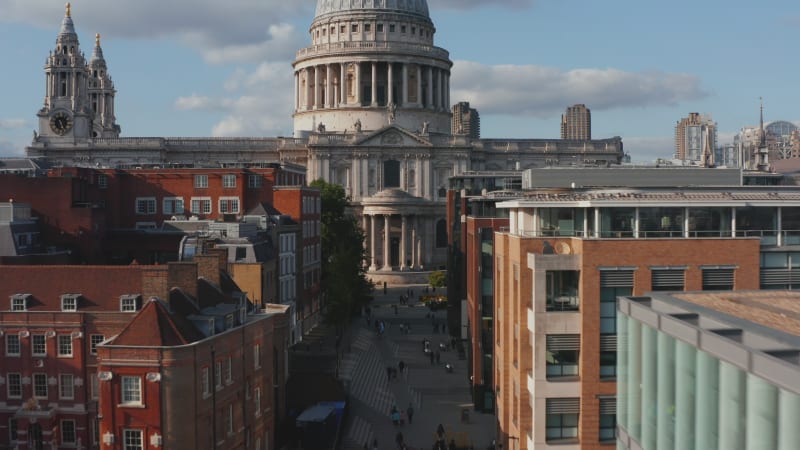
(68, 432)
(613, 283)
(39, 345)
(69, 302)
(102, 181)
(561, 422)
(229, 181)
(255, 181)
(145, 206)
(93, 341)
(132, 440)
(205, 381)
(229, 205)
(173, 205)
(200, 181)
(12, 345)
(201, 205)
(562, 355)
(40, 385)
(14, 388)
(12, 430)
(66, 386)
(131, 390)
(718, 278)
(608, 418)
(64, 345)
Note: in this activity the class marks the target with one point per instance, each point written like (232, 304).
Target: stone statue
(425, 126)
(35, 136)
(321, 127)
(357, 126)
(392, 108)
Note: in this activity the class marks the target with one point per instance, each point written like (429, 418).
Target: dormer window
(229, 321)
(19, 302)
(130, 302)
(69, 302)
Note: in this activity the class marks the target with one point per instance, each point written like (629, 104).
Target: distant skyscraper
(695, 136)
(466, 120)
(576, 123)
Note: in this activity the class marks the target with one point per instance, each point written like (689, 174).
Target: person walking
(401, 365)
(374, 444)
(410, 413)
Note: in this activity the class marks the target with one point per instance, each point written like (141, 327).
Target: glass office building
(708, 370)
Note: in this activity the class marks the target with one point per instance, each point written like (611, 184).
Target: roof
(779, 310)
(154, 326)
(418, 7)
(264, 209)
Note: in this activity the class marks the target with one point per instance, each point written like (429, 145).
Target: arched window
(441, 233)
(391, 174)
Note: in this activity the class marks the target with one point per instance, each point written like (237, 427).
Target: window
(131, 390)
(229, 181)
(354, 28)
(12, 345)
(229, 371)
(255, 181)
(19, 302)
(562, 290)
(229, 420)
(608, 418)
(69, 302)
(67, 431)
(205, 381)
(39, 345)
(129, 303)
(173, 205)
(668, 279)
(12, 430)
(718, 278)
(66, 386)
(200, 181)
(613, 283)
(93, 341)
(14, 388)
(229, 205)
(132, 440)
(94, 386)
(145, 206)
(367, 27)
(102, 181)
(64, 345)
(562, 419)
(257, 355)
(257, 401)
(218, 374)
(201, 205)
(342, 29)
(608, 356)
(380, 28)
(40, 385)
(562, 355)
(402, 28)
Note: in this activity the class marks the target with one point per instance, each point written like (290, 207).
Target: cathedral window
(354, 28)
(343, 29)
(402, 28)
(391, 28)
(367, 27)
(391, 174)
(380, 28)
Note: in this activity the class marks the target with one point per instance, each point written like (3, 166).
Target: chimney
(208, 266)
(183, 275)
(155, 283)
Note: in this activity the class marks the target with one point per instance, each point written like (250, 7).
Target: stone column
(419, 85)
(296, 91)
(343, 83)
(374, 89)
(390, 86)
(420, 226)
(328, 87)
(403, 241)
(440, 94)
(357, 86)
(414, 243)
(404, 100)
(316, 88)
(447, 90)
(387, 263)
(430, 88)
(372, 266)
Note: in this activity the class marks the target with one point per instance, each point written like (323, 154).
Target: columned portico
(403, 241)
(372, 266)
(387, 263)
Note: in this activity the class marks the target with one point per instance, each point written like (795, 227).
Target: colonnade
(338, 85)
(411, 241)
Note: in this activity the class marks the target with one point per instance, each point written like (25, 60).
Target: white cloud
(545, 91)
(222, 31)
(12, 124)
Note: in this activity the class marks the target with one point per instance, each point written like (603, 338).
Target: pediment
(393, 136)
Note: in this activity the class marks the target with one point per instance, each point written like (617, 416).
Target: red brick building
(58, 316)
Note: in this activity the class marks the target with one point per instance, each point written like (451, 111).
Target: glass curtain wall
(709, 222)
(561, 221)
(758, 222)
(617, 222)
(790, 226)
(661, 222)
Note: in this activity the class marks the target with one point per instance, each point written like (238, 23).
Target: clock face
(61, 123)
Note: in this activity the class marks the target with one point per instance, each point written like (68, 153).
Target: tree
(437, 279)
(344, 281)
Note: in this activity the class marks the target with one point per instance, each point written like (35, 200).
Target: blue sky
(223, 68)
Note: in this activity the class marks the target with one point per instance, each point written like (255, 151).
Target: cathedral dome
(417, 7)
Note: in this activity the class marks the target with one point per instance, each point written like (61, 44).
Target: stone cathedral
(371, 113)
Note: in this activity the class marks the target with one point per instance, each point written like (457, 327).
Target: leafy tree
(344, 282)
(438, 279)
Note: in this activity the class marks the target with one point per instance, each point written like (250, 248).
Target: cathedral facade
(371, 113)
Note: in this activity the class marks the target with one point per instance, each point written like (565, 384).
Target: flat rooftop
(778, 310)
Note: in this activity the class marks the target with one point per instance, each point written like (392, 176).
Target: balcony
(562, 290)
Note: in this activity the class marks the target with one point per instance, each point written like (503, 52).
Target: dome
(417, 7)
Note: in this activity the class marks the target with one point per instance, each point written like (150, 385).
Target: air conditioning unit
(105, 376)
(77, 334)
(24, 334)
(153, 377)
(50, 334)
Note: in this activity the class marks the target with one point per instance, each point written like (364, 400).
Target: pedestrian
(440, 431)
(395, 416)
(374, 444)
(399, 439)
(410, 413)
(452, 444)
(401, 365)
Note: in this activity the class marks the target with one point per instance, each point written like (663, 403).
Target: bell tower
(101, 95)
(66, 112)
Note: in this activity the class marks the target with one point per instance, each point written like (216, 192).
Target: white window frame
(19, 303)
(229, 371)
(130, 390)
(201, 181)
(128, 303)
(229, 201)
(150, 206)
(69, 302)
(66, 386)
(12, 340)
(205, 381)
(42, 344)
(201, 202)
(228, 181)
(64, 343)
(94, 340)
(17, 384)
(218, 374)
(173, 205)
(255, 181)
(42, 376)
(64, 430)
(132, 439)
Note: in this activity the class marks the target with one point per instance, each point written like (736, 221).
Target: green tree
(344, 282)
(438, 279)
